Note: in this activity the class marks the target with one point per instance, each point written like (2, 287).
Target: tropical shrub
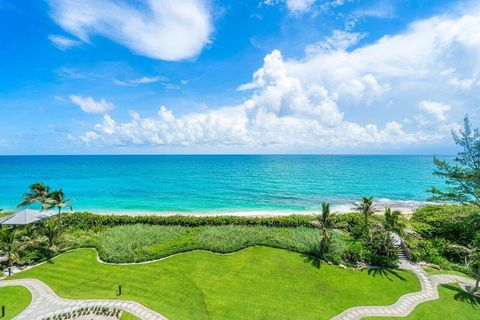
(89, 221)
(456, 223)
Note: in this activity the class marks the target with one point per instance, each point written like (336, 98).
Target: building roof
(25, 216)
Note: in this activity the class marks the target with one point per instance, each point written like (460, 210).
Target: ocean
(220, 184)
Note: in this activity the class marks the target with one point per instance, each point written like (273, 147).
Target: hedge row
(456, 223)
(85, 220)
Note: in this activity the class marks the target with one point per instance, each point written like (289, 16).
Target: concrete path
(45, 303)
(406, 303)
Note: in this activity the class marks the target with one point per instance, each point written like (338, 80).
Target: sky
(228, 77)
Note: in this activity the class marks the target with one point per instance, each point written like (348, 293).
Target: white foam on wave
(405, 206)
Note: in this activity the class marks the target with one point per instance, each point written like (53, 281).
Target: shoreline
(406, 207)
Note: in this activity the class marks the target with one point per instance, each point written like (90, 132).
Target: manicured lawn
(15, 299)
(452, 272)
(255, 283)
(454, 303)
(128, 316)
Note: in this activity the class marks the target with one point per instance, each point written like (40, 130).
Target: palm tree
(38, 193)
(326, 222)
(30, 235)
(365, 207)
(57, 199)
(10, 246)
(392, 221)
(52, 230)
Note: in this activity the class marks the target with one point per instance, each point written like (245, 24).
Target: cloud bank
(303, 104)
(166, 30)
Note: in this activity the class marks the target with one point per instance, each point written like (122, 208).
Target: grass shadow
(464, 296)
(387, 273)
(314, 261)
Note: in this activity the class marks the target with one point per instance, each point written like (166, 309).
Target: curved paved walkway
(46, 303)
(406, 303)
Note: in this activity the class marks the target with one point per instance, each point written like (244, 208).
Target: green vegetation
(137, 243)
(128, 316)
(90, 221)
(15, 299)
(253, 283)
(4, 214)
(463, 180)
(432, 271)
(454, 303)
(442, 236)
(39, 192)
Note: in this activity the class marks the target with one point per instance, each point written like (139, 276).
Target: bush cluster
(89, 221)
(87, 311)
(456, 223)
(443, 230)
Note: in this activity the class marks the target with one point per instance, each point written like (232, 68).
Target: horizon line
(226, 154)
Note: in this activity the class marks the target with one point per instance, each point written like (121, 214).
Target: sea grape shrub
(354, 251)
(456, 223)
(353, 223)
(89, 221)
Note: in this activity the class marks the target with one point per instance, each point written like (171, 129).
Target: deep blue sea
(217, 183)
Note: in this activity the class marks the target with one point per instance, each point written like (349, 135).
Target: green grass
(15, 299)
(433, 271)
(255, 283)
(128, 316)
(135, 243)
(454, 303)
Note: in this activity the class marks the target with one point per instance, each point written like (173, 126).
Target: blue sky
(259, 76)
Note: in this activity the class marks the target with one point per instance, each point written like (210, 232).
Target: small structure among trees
(25, 217)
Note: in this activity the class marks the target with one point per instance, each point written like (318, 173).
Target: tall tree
(393, 222)
(366, 208)
(326, 222)
(10, 246)
(57, 199)
(52, 230)
(462, 176)
(39, 192)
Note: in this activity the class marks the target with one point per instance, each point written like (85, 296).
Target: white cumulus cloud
(281, 112)
(307, 103)
(437, 109)
(166, 30)
(89, 105)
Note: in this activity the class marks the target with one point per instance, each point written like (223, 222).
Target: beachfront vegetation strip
(447, 237)
(454, 303)
(15, 299)
(257, 282)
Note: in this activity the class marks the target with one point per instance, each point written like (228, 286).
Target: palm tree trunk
(478, 279)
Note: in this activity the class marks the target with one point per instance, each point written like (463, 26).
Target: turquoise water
(218, 183)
